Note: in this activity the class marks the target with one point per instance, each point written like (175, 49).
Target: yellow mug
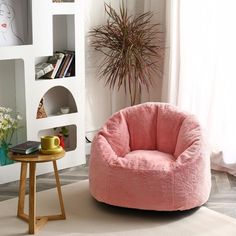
(49, 142)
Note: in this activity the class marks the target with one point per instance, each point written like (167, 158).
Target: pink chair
(150, 156)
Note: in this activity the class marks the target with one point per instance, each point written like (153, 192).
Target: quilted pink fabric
(150, 156)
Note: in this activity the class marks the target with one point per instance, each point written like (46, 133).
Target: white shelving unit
(55, 26)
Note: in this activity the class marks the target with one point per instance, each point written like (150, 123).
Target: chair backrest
(141, 122)
(154, 126)
(169, 122)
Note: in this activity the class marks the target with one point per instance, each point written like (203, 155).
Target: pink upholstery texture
(151, 156)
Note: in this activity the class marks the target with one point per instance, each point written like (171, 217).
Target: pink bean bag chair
(151, 156)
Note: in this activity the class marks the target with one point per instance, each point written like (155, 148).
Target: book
(71, 70)
(64, 66)
(56, 61)
(42, 68)
(26, 147)
(72, 55)
(65, 59)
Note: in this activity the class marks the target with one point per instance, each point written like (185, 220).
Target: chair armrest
(102, 150)
(189, 133)
(197, 150)
(116, 132)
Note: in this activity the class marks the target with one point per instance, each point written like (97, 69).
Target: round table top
(36, 157)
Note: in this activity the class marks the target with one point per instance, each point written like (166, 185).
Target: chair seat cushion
(148, 160)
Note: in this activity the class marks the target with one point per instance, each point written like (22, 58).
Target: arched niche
(53, 100)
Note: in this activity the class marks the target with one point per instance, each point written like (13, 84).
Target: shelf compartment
(12, 92)
(69, 142)
(63, 32)
(60, 65)
(64, 58)
(56, 98)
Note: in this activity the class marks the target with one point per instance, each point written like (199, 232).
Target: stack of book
(26, 147)
(62, 65)
(43, 68)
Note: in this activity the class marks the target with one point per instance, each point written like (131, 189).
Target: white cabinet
(55, 26)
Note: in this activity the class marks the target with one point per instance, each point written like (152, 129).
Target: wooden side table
(36, 222)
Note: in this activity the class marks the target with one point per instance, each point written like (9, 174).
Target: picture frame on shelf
(14, 25)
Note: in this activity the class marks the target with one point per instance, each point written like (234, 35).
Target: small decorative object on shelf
(8, 126)
(62, 133)
(41, 111)
(65, 110)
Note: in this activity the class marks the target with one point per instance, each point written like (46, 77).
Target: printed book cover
(56, 60)
(42, 69)
(26, 147)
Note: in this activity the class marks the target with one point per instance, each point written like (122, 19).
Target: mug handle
(56, 141)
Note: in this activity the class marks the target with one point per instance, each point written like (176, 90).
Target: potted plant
(130, 48)
(8, 126)
(62, 133)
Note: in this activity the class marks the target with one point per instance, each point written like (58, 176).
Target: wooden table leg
(32, 198)
(22, 188)
(63, 214)
(36, 222)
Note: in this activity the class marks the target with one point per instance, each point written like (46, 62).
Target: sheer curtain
(201, 70)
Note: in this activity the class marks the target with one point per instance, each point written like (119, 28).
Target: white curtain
(201, 70)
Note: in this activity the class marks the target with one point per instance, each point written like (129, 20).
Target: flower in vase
(8, 125)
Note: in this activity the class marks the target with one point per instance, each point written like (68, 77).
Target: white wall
(100, 101)
(7, 84)
(158, 8)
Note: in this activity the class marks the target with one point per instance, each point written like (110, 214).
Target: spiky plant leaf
(129, 44)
